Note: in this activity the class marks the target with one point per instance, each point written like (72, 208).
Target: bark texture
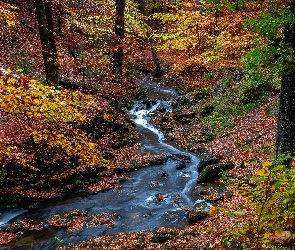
(45, 26)
(285, 139)
(119, 36)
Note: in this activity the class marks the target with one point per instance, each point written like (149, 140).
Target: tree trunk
(119, 36)
(285, 139)
(45, 26)
(158, 69)
(141, 6)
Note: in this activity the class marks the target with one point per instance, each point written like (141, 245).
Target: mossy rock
(206, 135)
(209, 160)
(160, 237)
(273, 109)
(207, 110)
(196, 215)
(214, 171)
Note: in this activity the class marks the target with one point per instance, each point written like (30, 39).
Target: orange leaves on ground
(213, 211)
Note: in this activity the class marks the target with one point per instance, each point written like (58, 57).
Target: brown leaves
(77, 219)
(281, 237)
(161, 197)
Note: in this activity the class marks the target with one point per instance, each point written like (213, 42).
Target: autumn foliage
(77, 135)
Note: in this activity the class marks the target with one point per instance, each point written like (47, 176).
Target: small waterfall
(141, 114)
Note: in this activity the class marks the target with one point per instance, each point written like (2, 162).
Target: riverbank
(247, 141)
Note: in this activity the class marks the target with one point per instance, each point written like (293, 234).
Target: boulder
(214, 171)
(196, 215)
(160, 237)
(208, 160)
(207, 110)
(206, 135)
(180, 165)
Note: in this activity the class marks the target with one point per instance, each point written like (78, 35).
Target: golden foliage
(43, 114)
(8, 14)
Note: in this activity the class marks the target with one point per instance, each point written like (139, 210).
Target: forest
(147, 124)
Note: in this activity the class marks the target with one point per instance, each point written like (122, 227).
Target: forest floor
(217, 124)
(247, 142)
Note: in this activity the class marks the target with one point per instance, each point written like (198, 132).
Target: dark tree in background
(119, 36)
(285, 139)
(158, 70)
(45, 26)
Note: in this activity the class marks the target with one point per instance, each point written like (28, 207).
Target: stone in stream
(208, 160)
(214, 171)
(164, 174)
(180, 165)
(196, 215)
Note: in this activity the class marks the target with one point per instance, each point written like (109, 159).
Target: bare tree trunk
(158, 70)
(285, 139)
(119, 36)
(45, 26)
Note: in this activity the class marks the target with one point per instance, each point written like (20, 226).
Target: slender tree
(45, 26)
(285, 139)
(158, 69)
(119, 36)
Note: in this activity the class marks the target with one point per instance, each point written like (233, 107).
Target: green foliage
(226, 107)
(237, 5)
(59, 240)
(271, 23)
(264, 65)
(272, 198)
(24, 67)
(263, 68)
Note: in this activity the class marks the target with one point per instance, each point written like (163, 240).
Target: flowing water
(137, 205)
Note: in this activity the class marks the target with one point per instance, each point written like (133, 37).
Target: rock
(207, 110)
(164, 174)
(209, 160)
(160, 237)
(206, 135)
(214, 171)
(199, 96)
(183, 100)
(180, 165)
(196, 215)
(181, 115)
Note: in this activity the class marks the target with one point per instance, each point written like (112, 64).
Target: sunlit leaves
(44, 114)
(262, 172)
(8, 14)
(213, 211)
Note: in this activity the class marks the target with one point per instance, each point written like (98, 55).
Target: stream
(137, 205)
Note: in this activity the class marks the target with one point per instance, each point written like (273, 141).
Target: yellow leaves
(47, 112)
(262, 172)
(7, 13)
(213, 211)
(267, 164)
